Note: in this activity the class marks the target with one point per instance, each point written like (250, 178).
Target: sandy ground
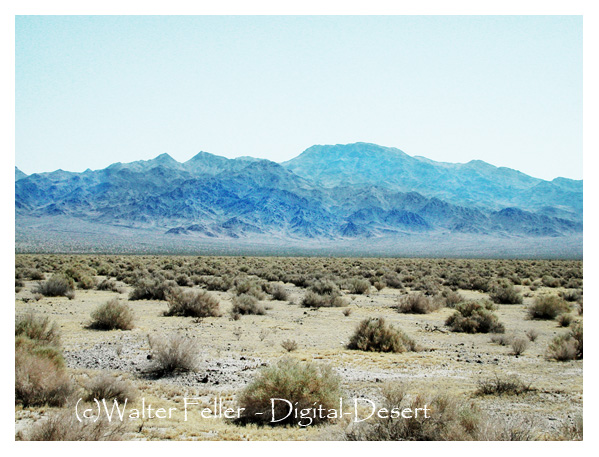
(232, 352)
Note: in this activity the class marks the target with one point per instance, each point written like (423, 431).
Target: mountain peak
(164, 158)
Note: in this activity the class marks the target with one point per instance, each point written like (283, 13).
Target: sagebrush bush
(247, 304)
(173, 353)
(306, 385)
(192, 303)
(547, 307)
(289, 345)
(110, 285)
(374, 334)
(507, 295)
(519, 345)
(474, 317)
(112, 315)
(109, 387)
(57, 285)
(250, 288)
(417, 303)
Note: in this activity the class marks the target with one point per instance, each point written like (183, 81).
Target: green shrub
(306, 385)
(474, 317)
(548, 307)
(192, 303)
(373, 334)
(112, 315)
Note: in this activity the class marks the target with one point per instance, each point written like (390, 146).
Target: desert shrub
(474, 317)
(570, 430)
(532, 335)
(152, 289)
(192, 303)
(35, 275)
(38, 329)
(57, 286)
(306, 385)
(564, 320)
(314, 300)
(549, 281)
(571, 295)
(373, 334)
(379, 285)
(40, 379)
(568, 346)
(506, 294)
(446, 419)
(64, 426)
(503, 339)
(109, 285)
(519, 345)
(448, 298)
(359, 286)
(172, 354)
(277, 291)
(219, 283)
(86, 282)
(112, 315)
(109, 387)
(416, 304)
(247, 304)
(325, 288)
(547, 307)
(250, 288)
(289, 345)
(502, 385)
(347, 312)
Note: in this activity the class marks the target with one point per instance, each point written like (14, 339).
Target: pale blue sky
(93, 90)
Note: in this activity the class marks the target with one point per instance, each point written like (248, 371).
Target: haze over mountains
(327, 194)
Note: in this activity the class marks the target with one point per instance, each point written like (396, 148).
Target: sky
(94, 90)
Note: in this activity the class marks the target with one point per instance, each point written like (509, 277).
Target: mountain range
(327, 193)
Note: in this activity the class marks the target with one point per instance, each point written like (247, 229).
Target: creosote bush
(359, 286)
(475, 317)
(64, 426)
(502, 385)
(173, 353)
(548, 307)
(152, 289)
(567, 346)
(58, 285)
(417, 303)
(112, 315)
(445, 419)
(507, 295)
(109, 387)
(247, 304)
(192, 303)
(306, 385)
(315, 300)
(374, 334)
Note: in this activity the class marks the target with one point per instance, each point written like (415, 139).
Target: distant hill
(327, 194)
